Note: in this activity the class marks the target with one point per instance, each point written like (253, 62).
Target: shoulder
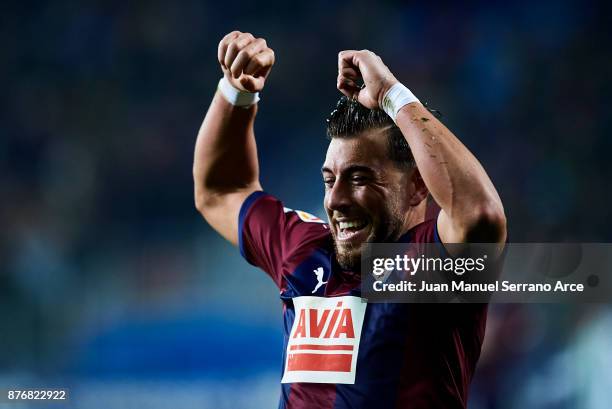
(262, 207)
(425, 232)
(266, 222)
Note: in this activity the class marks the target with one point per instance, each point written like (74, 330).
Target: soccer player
(387, 153)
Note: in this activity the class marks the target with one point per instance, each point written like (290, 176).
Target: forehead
(367, 149)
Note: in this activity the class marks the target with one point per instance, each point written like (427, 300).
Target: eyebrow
(351, 169)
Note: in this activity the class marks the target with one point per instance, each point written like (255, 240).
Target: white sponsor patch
(324, 340)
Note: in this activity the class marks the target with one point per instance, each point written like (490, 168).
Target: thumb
(250, 83)
(364, 97)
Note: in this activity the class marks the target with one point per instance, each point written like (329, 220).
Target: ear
(420, 191)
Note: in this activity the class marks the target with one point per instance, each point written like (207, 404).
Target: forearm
(225, 159)
(454, 177)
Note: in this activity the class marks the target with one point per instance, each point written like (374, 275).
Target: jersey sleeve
(270, 235)
(426, 232)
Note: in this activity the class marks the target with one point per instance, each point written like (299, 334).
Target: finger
(245, 55)
(350, 72)
(350, 93)
(346, 92)
(345, 81)
(345, 59)
(236, 46)
(224, 43)
(347, 87)
(261, 63)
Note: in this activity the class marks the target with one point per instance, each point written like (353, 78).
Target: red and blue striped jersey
(341, 352)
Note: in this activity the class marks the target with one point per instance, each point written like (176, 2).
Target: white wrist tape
(395, 98)
(235, 96)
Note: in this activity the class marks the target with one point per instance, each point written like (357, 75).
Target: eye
(329, 182)
(359, 179)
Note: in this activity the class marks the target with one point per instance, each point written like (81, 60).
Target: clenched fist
(245, 60)
(354, 66)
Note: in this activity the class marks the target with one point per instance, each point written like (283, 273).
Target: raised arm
(471, 208)
(225, 166)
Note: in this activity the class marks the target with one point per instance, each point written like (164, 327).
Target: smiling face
(368, 198)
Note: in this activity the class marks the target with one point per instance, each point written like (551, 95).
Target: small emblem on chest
(319, 273)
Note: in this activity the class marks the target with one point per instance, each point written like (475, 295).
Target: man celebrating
(387, 152)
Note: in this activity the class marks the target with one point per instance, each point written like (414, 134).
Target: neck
(414, 216)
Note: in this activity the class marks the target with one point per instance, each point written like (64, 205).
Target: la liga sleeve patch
(304, 216)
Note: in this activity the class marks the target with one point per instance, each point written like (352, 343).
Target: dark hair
(350, 118)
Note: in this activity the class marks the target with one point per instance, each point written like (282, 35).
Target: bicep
(446, 232)
(223, 210)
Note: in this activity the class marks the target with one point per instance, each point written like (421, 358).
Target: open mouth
(352, 230)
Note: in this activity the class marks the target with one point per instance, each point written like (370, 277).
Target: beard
(388, 228)
(349, 256)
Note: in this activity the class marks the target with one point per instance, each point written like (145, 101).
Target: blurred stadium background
(112, 285)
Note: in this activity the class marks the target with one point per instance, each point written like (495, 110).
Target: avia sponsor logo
(324, 340)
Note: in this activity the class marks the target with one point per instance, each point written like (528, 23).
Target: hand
(354, 66)
(245, 60)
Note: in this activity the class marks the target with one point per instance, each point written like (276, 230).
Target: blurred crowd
(109, 273)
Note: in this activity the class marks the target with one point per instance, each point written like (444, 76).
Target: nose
(339, 197)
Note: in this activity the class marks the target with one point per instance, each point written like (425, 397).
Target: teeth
(348, 225)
